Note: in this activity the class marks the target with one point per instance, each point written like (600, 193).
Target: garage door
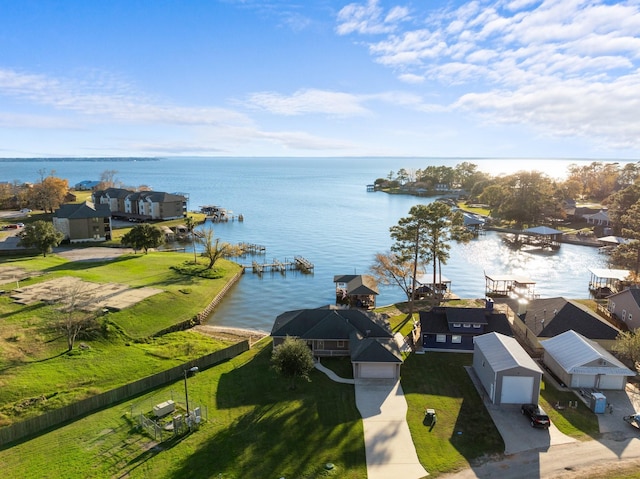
(516, 389)
(611, 382)
(377, 370)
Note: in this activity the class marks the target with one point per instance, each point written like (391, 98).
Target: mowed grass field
(37, 372)
(256, 427)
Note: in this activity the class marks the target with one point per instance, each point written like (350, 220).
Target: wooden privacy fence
(57, 417)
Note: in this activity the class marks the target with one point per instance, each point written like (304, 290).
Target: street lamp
(186, 391)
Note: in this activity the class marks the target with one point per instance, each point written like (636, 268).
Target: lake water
(320, 209)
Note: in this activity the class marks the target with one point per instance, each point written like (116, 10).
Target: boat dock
(298, 264)
(251, 248)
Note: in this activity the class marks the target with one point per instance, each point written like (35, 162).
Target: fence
(57, 417)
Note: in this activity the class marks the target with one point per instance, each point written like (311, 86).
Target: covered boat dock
(509, 286)
(605, 282)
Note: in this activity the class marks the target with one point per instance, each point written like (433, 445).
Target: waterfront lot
(37, 372)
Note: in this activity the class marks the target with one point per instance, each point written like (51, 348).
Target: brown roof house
(541, 319)
(356, 291)
(83, 222)
(365, 338)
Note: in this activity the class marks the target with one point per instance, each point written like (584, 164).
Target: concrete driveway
(515, 429)
(388, 444)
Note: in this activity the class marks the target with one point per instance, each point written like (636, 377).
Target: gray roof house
(625, 306)
(83, 222)
(581, 363)
(545, 318)
(506, 371)
(365, 338)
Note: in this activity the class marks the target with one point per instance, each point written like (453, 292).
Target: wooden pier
(298, 264)
(251, 248)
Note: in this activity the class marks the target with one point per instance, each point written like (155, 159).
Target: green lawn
(464, 430)
(580, 422)
(38, 374)
(256, 427)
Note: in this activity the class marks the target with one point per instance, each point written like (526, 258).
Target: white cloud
(309, 101)
(369, 18)
(107, 99)
(411, 78)
(565, 67)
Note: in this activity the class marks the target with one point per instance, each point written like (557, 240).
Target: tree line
(530, 198)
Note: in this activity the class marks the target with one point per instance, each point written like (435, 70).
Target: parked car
(536, 415)
(25, 211)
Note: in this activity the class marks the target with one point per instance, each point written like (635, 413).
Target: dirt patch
(93, 253)
(231, 334)
(85, 295)
(10, 274)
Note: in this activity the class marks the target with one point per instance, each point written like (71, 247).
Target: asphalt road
(571, 460)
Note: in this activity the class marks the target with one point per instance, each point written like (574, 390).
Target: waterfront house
(506, 371)
(86, 185)
(601, 218)
(579, 362)
(454, 329)
(142, 205)
(356, 291)
(114, 197)
(83, 222)
(540, 319)
(363, 337)
(625, 306)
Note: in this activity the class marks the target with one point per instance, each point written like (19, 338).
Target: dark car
(536, 415)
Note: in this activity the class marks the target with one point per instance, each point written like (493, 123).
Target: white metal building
(581, 363)
(506, 371)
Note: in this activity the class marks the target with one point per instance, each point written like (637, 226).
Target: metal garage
(506, 371)
(581, 363)
(516, 389)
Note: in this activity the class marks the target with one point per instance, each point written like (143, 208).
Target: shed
(581, 363)
(506, 371)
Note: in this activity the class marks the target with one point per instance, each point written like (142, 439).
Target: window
(624, 314)
(341, 344)
(629, 317)
(476, 325)
(441, 338)
(456, 338)
(466, 325)
(456, 325)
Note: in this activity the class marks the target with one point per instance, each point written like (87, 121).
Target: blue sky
(502, 78)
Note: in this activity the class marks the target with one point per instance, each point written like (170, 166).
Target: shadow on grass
(464, 431)
(276, 432)
(82, 265)
(24, 310)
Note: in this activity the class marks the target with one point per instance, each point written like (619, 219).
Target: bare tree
(213, 249)
(74, 316)
(390, 269)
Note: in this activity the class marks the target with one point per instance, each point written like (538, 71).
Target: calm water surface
(320, 209)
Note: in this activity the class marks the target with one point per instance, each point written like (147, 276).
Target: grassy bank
(256, 427)
(37, 372)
